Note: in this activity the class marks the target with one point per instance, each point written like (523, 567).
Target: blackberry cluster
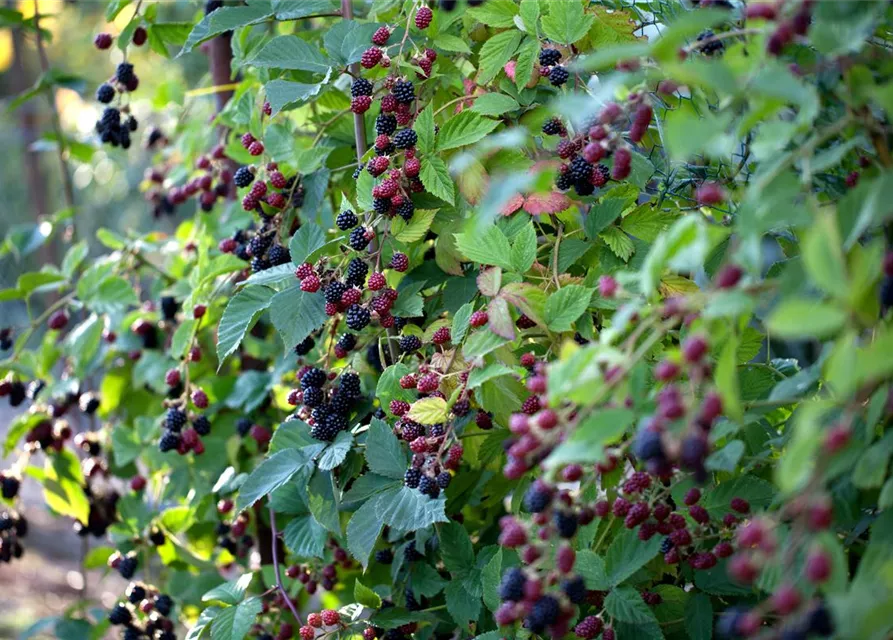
(333, 417)
(145, 613)
(278, 255)
(553, 127)
(511, 587)
(304, 347)
(543, 614)
(13, 527)
(347, 219)
(406, 209)
(113, 131)
(404, 91)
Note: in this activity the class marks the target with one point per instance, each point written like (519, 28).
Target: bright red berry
(376, 281)
(423, 17)
(314, 620)
(330, 617)
(380, 37)
(360, 104)
(371, 57)
(247, 140)
(310, 284)
(103, 40)
(478, 319)
(740, 505)
(256, 148)
(200, 399)
(408, 381)
(172, 377)
(818, 566)
(399, 407)
(786, 599)
(58, 320)
(441, 336)
(137, 483)
(306, 632)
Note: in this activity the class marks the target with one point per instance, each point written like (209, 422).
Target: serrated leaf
(234, 623)
(602, 215)
(626, 604)
(523, 252)
(647, 222)
(462, 130)
(271, 474)
(566, 22)
(460, 322)
(428, 411)
(566, 305)
(528, 57)
(296, 314)
(456, 549)
(436, 178)
(384, 454)
(415, 229)
(699, 617)
(487, 247)
(799, 318)
(334, 453)
(449, 42)
(226, 19)
(627, 554)
(493, 104)
(489, 280)
(290, 52)
(231, 592)
(495, 53)
(409, 509)
(500, 319)
(477, 377)
(307, 240)
(366, 596)
(305, 537)
(63, 484)
(424, 128)
(363, 530)
(495, 13)
(284, 94)
(463, 600)
(619, 243)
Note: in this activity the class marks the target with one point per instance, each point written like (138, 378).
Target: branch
(279, 585)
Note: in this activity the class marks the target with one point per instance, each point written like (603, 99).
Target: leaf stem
(279, 585)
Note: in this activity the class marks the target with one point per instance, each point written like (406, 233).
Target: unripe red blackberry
(740, 505)
(742, 569)
(837, 437)
(428, 383)
(423, 17)
(666, 370)
(622, 164)
(200, 399)
(531, 405)
(694, 349)
(306, 632)
(256, 148)
(371, 57)
(818, 566)
(441, 336)
(360, 104)
(267, 108)
(607, 287)
(710, 194)
(399, 262)
(589, 627)
(380, 37)
(139, 36)
(58, 320)
(729, 276)
(103, 41)
(723, 550)
(137, 483)
(786, 599)
(277, 179)
(247, 140)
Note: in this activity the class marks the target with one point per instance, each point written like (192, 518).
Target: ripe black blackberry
(359, 170)
(358, 240)
(411, 553)
(400, 322)
(537, 499)
(565, 523)
(406, 209)
(313, 397)
(437, 430)
(574, 588)
(340, 404)
(202, 425)
(666, 544)
(381, 206)
(259, 263)
(135, 593)
(361, 87)
(404, 91)
(259, 244)
(243, 177)
(163, 604)
(124, 73)
(347, 341)
(553, 127)
(131, 123)
(579, 170)
(584, 188)
(304, 347)
(511, 587)
(175, 419)
(356, 272)
(388, 150)
(548, 57)
(169, 307)
(322, 431)
(385, 124)
(411, 603)
(357, 317)
(119, 614)
(278, 255)
(105, 93)
(408, 344)
(170, 441)
(429, 487)
(156, 537)
(347, 219)
(412, 477)
(313, 378)
(544, 613)
(350, 384)
(384, 556)
(709, 46)
(405, 138)
(127, 567)
(243, 426)
(558, 76)
(336, 422)
(9, 487)
(443, 479)
(334, 291)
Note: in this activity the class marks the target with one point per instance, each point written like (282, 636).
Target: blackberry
(9, 487)
(443, 479)
(243, 426)
(334, 291)
(347, 342)
(406, 209)
(359, 170)
(566, 523)
(574, 588)
(553, 127)
(537, 498)
(357, 317)
(648, 446)
(384, 556)
(579, 170)
(119, 614)
(404, 91)
(350, 384)
(400, 322)
(111, 118)
(544, 613)
(410, 553)
(202, 425)
(124, 73)
(336, 422)
(666, 544)
(584, 188)
(548, 57)
(412, 478)
(169, 307)
(511, 587)
(17, 393)
(175, 419)
(411, 603)
(169, 441)
(303, 348)
(385, 124)
(356, 272)
(437, 431)
(243, 177)
(558, 76)
(340, 404)
(711, 47)
(127, 567)
(347, 219)
(133, 633)
(163, 604)
(405, 138)
(259, 263)
(136, 594)
(278, 255)
(429, 487)
(323, 432)
(361, 87)
(131, 124)
(156, 537)
(313, 378)
(358, 240)
(819, 620)
(600, 175)
(408, 344)
(105, 93)
(259, 244)
(381, 206)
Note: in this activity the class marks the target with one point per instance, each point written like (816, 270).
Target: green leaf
(626, 604)
(113, 295)
(528, 57)
(63, 485)
(126, 444)
(493, 104)
(296, 314)
(566, 305)
(232, 592)
(384, 454)
(347, 40)
(424, 128)
(363, 530)
(495, 53)
(627, 554)
(755, 490)
(334, 453)
(456, 549)
(284, 94)
(226, 19)
(366, 596)
(530, 15)
(727, 458)
(592, 568)
(495, 13)
(436, 178)
(296, 9)
(491, 576)
(238, 317)
(566, 22)
(619, 243)
(389, 388)
(500, 319)
(587, 442)
(449, 42)
(462, 130)
(305, 537)
(307, 240)
(800, 318)
(18, 427)
(727, 379)
(415, 229)
(271, 474)
(460, 322)
(699, 617)
(823, 257)
(408, 509)
(487, 247)
(290, 52)
(495, 370)
(523, 252)
(234, 623)
(463, 600)
(602, 215)
(428, 411)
